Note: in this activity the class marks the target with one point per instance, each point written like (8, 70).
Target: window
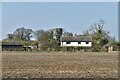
(68, 42)
(87, 42)
(79, 42)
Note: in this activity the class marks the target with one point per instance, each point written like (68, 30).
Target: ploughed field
(59, 65)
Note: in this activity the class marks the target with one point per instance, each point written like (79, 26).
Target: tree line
(50, 39)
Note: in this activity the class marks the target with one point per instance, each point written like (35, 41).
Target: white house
(80, 41)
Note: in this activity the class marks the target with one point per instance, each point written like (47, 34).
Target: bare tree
(23, 34)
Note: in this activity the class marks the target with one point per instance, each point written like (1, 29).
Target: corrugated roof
(74, 39)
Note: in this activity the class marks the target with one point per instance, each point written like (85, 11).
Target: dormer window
(68, 42)
(87, 42)
(79, 42)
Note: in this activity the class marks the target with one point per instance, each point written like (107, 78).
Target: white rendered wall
(83, 44)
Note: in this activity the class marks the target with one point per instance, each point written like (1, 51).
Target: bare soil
(59, 65)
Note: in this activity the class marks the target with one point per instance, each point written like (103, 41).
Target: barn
(12, 46)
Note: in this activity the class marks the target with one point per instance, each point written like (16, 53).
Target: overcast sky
(75, 17)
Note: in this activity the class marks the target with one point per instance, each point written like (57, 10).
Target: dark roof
(109, 44)
(79, 38)
(11, 43)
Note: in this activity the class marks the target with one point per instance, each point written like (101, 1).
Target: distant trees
(51, 38)
(99, 35)
(58, 33)
(42, 37)
(20, 34)
(23, 34)
(10, 36)
(67, 33)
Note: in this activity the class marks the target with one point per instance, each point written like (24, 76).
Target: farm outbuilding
(111, 48)
(12, 46)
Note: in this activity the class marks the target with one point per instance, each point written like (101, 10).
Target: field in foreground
(59, 65)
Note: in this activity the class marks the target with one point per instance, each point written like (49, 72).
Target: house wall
(83, 44)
